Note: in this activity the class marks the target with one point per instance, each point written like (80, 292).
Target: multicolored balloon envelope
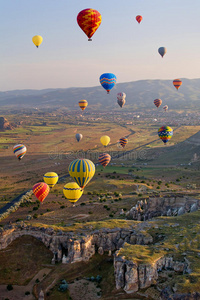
(165, 107)
(108, 81)
(162, 51)
(72, 191)
(105, 140)
(104, 159)
(41, 190)
(51, 178)
(165, 133)
(79, 137)
(157, 102)
(123, 141)
(89, 21)
(177, 83)
(138, 18)
(19, 150)
(121, 99)
(82, 171)
(83, 104)
(37, 40)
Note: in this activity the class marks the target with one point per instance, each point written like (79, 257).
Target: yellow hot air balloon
(37, 40)
(82, 171)
(105, 140)
(50, 178)
(72, 191)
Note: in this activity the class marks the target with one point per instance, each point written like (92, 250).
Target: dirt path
(18, 292)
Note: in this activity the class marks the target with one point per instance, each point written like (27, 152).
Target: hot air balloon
(105, 140)
(72, 191)
(79, 137)
(121, 99)
(157, 102)
(177, 83)
(83, 104)
(41, 190)
(19, 150)
(165, 133)
(162, 51)
(123, 141)
(104, 159)
(165, 108)
(37, 40)
(138, 18)
(82, 171)
(50, 178)
(108, 81)
(89, 21)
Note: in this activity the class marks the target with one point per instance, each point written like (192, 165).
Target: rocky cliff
(4, 124)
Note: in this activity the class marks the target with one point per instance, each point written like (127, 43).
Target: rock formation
(4, 124)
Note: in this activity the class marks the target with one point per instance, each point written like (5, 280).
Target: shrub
(35, 208)
(62, 206)
(82, 204)
(111, 216)
(35, 216)
(9, 287)
(27, 293)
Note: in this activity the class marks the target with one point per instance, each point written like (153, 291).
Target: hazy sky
(120, 45)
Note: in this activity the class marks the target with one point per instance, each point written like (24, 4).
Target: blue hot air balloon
(108, 81)
(162, 51)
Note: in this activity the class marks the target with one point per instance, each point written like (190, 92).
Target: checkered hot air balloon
(165, 133)
(177, 83)
(123, 141)
(104, 159)
(108, 81)
(82, 171)
(41, 190)
(89, 21)
(157, 102)
(19, 150)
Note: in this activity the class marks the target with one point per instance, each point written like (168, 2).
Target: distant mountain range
(139, 94)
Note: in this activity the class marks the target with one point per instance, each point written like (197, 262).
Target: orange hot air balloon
(177, 83)
(83, 104)
(41, 190)
(138, 18)
(89, 21)
(157, 102)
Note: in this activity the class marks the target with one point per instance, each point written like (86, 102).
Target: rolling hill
(139, 94)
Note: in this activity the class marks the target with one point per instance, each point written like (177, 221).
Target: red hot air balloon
(157, 102)
(138, 18)
(123, 141)
(41, 190)
(177, 83)
(104, 159)
(89, 21)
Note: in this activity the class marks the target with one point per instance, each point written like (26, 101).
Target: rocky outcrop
(75, 247)
(166, 206)
(167, 294)
(131, 276)
(4, 124)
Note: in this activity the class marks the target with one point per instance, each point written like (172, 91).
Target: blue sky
(120, 45)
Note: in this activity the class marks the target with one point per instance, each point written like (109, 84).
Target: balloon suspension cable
(89, 40)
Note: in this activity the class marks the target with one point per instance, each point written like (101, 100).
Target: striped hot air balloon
(138, 18)
(51, 178)
(108, 81)
(19, 150)
(41, 190)
(121, 99)
(157, 102)
(177, 83)
(165, 133)
(89, 21)
(165, 107)
(123, 141)
(82, 171)
(72, 191)
(104, 159)
(83, 104)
